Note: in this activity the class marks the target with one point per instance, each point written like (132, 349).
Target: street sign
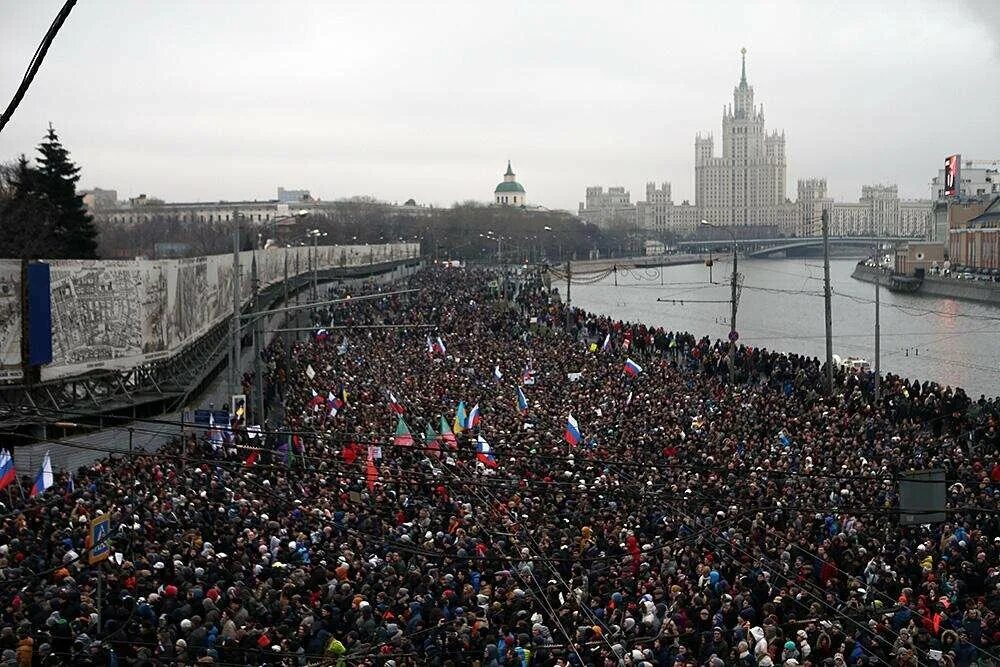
(100, 528)
(734, 336)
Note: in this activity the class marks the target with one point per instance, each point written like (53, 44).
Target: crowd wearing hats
(694, 521)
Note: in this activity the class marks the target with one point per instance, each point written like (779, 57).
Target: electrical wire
(36, 62)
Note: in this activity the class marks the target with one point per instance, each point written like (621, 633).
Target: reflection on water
(781, 307)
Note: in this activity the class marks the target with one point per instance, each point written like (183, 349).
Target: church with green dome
(509, 192)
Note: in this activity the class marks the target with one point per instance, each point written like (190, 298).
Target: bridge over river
(772, 246)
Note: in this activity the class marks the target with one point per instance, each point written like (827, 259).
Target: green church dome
(510, 186)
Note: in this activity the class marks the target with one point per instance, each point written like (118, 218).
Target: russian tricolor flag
(522, 401)
(497, 375)
(606, 344)
(484, 453)
(572, 433)
(473, 418)
(440, 346)
(7, 472)
(45, 479)
(632, 368)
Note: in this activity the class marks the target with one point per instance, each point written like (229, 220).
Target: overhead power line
(36, 62)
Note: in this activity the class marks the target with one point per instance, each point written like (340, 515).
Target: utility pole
(878, 329)
(258, 333)
(234, 324)
(826, 300)
(284, 283)
(733, 336)
(314, 263)
(569, 275)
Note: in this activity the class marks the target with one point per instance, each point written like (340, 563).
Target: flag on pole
(251, 457)
(70, 486)
(460, 416)
(322, 335)
(403, 437)
(431, 441)
(497, 375)
(310, 373)
(572, 432)
(484, 453)
(435, 346)
(627, 342)
(522, 401)
(631, 368)
(606, 345)
(628, 400)
(446, 435)
(395, 405)
(473, 420)
(7, 472)
(316, 400)
(44, 479)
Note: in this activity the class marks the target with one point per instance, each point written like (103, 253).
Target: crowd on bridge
(449, 478)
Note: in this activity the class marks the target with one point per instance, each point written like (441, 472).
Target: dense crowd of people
(694, 522)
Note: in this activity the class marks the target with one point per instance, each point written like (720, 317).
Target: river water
(951, 342)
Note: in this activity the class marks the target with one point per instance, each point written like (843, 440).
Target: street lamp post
(734, 301)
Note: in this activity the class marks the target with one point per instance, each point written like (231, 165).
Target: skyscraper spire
(743, 72)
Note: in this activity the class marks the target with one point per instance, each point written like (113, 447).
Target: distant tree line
(466, 231)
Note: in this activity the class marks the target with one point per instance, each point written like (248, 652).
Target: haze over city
(224, 100)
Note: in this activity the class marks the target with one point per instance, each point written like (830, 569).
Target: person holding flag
(459, 424)
(431, 441)
(44, 479)
(473, 419)
(403, 437)
(632, 369)
(446, 434)
(395, 405)
(522, 401)
(484, 453)
(572, 431)
(8, 474)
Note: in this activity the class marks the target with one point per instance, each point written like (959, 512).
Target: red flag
(252, 458)
(350, 453)
(371, 474)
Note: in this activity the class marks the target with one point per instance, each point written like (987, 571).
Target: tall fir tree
(73, 230)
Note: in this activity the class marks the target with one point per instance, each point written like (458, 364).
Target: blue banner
(39, 314)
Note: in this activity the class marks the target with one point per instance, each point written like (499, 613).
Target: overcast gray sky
(227, 99)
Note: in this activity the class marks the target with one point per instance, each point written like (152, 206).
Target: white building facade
(611, 208)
